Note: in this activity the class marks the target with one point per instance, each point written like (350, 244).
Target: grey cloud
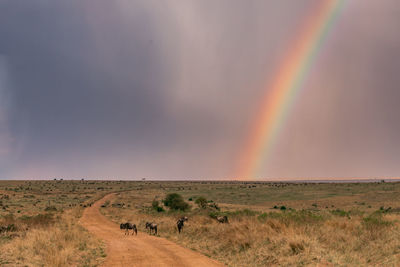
(168, 89)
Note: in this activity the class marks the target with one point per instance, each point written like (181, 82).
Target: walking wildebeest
(128, 226)
(222, 219)
(151, 227)
(180, 223)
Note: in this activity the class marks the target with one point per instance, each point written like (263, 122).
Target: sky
(169, 89)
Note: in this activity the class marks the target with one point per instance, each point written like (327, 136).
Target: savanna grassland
(275, 223)
(39, 222)
(269, 223)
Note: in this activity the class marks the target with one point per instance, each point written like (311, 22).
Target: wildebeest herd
(152, 227)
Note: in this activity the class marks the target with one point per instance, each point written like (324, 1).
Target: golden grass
(41, 218)
(64, 243)
(324, 224)
(285, 238)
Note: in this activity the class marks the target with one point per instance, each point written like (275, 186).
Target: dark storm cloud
(64, 103)
(122, 88)
(168, 89)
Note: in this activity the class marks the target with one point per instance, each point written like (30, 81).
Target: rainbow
(286, 86)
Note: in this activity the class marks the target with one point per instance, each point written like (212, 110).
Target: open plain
(51, 223)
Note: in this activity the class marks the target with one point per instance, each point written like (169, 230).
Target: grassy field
(269, 223)
(39, 222)
(276, 224)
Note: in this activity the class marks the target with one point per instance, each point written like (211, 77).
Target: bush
(175, 202)
(341, 213)
(201, 202)
(156, 206)
(160, 209)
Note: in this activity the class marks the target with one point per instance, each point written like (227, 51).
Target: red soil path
(140, 250)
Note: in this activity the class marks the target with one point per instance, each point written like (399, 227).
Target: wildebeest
(128, 226)
(180, 223)
(222, 219)
(151, 227)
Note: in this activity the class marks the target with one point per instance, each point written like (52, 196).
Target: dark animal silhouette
(128, 226)
(180, 223)
(152, 227)
(222, 219)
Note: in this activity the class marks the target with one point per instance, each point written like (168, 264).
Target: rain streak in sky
(169, 89)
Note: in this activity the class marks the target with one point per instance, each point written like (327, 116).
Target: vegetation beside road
(269, 223)
(281, 224)
(39, 223)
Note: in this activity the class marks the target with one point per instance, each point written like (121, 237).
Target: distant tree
(175, 202)
(201, 202)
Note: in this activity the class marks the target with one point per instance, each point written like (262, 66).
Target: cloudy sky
(169, 89)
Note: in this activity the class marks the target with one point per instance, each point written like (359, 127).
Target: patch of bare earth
(140, 250)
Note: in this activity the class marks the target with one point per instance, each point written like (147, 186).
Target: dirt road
(140, 250)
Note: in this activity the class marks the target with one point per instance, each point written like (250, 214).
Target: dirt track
(140, 250)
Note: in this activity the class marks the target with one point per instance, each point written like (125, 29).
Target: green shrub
(156, 206)
(341, 213)
(175, 202)
(201, 202)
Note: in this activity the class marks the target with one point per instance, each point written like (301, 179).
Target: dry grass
(62, 243)
(39, 223)
(282, 240)
(323, 224)
(274, 237)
